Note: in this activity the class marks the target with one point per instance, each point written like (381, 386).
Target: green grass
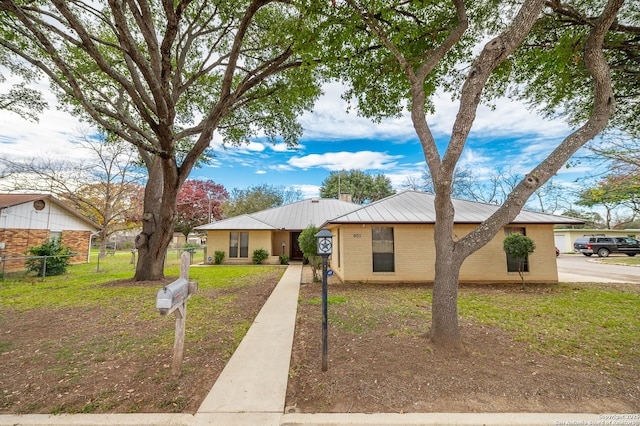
(109, 318)
(635, 260)
(572, 320)
(597, 323)
(82, 285)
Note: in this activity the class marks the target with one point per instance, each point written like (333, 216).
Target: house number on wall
(357, 235)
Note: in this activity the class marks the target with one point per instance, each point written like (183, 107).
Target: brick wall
(18, 241)
(414, 252)
(79, 243)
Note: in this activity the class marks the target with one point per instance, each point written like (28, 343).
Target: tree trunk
(160, 198)
(103, 245)
(445, 332)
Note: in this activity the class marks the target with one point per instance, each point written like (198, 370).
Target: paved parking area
(580, 268)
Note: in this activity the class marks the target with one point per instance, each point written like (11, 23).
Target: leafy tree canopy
(19, 98)
(592, 220)
(257, 198)
(363, 188)
(164, 75)
(199, 202)
(549, 68)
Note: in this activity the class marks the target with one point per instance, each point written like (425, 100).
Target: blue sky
(508, 138)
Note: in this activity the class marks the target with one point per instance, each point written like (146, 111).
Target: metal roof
(418, 207)
(295, 216)
(244, 221)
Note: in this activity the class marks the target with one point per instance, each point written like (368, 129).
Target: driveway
(580, 268)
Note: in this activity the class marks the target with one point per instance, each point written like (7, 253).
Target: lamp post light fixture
(324, 249)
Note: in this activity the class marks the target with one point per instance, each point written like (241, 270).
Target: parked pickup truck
(603, 246)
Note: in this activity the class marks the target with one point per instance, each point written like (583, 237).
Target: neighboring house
(392, 240)
(178, 239)
(564, 238)
(28, 220)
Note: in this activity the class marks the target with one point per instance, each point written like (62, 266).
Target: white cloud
(308, 191)
(283, 147)
(252, 146)
(364, 160)
(52, 136)
(330, 120)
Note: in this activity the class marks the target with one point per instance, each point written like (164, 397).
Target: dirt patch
(387, 364)
(97, 360)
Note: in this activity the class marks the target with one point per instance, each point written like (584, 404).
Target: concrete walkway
(251, 390)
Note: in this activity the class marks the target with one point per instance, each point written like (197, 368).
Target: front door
(296, 253)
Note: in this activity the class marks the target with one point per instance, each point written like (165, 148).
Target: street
(580, 268)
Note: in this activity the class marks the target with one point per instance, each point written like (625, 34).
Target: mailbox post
(324, 249)
(173, 298)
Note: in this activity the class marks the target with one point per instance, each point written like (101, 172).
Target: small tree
(309, 246)
(519, 247)
(54, 260)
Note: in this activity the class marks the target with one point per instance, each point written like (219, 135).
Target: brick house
(28, 220)
(391, 240)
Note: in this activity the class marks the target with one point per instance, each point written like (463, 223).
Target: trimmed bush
(218, 257)
(259, 255)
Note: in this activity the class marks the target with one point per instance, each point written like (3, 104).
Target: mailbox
(171, 296)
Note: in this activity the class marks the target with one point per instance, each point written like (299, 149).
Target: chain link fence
(16, 265)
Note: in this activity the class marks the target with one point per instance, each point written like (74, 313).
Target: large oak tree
(409, 51)
(164, 75)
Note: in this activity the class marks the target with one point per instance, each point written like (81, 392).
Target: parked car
(603, 246)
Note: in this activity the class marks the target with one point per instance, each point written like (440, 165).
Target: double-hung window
(238, 244)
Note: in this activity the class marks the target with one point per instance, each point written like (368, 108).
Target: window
(382, 244)
(239, 240)
(513, 263)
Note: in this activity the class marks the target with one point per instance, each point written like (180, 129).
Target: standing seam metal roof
(418, 207)
(294, 216)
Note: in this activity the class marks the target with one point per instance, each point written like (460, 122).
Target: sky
(509, 137)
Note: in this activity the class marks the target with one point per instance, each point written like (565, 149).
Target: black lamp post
(324, 249)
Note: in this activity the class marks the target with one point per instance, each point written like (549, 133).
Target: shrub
(259, 255)
(309, 245)
(56, 261)
(284, 259)
(218, 257)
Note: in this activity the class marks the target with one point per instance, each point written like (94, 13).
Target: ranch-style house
(390, 240)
